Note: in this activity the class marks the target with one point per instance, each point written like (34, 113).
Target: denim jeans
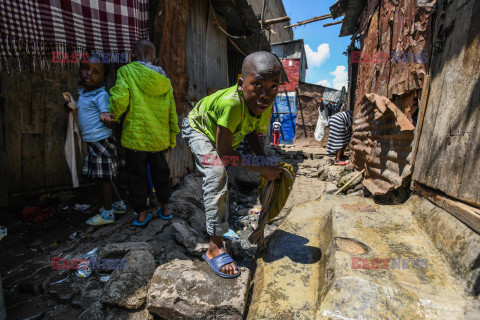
(215, 180)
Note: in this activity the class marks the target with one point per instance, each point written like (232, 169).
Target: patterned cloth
(103, 160)
(340, 131)
(38, 27)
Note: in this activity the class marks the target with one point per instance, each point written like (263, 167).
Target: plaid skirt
(103, 160)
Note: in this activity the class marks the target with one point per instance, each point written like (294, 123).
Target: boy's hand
(271, 173)
(107, 118)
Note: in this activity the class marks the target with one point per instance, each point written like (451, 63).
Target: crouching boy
(214, 129)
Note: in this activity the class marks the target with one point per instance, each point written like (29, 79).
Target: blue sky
(327, 65)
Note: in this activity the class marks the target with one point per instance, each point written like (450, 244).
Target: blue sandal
(161, 216)
(218, 262)
(141, 224)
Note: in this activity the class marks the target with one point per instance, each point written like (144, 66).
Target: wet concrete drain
(351, 246)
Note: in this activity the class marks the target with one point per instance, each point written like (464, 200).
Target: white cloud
(324, 83)
(340, 77)
(317, 58)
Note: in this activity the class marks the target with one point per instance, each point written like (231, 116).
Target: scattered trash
(54, 244)
(105, 278)
(230, 235)
(81, 207)
(3, 232)
(73, 235)
(37, 215)
(256, 210)
(65, 208)
(85, 266)
(60, 281)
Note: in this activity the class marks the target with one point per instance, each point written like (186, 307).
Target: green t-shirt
(227, 108)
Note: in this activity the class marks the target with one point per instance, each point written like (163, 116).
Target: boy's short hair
(144, 48)
(259, 58)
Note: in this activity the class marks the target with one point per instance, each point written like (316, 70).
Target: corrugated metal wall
(403, 27)
(309, 100)
(381, 143)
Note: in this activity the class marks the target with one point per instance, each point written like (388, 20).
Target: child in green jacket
(149, 129)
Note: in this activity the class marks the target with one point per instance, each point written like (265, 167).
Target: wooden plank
(447, 157)
(33, 161)
(13, 131)
(55, 131)
(467, 214)
(3, 172)
(421, 117)
(32, 107)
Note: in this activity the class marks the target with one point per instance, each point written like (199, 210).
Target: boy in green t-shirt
(214, 129)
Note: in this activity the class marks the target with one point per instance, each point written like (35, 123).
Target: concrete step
(345, 257)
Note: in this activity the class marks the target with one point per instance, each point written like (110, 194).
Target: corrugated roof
(329, 94)
(289, 49)
(352, 10)
(242, 22)
(338, 8)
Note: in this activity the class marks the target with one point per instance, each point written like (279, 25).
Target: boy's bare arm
(224, 148)
(254, 142)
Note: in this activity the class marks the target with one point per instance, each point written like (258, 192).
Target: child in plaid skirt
(102, 161)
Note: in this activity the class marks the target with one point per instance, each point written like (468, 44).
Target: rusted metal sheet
(381, 144)
(412, 34)
(400, 34)
(397, 33)
(309, 99)
(169, 34)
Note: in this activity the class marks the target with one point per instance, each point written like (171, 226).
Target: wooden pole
(276, 109)
(301, 112)
(332, 23)
(349, 181)
(276, 20)
(467, 214)
(421, 117)
(324, 17)
(236, 46)
(290, 110)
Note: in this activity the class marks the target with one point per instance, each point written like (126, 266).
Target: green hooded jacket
(151, 123)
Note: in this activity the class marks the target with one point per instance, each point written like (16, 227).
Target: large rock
(150, 232)
(332, 173)
(183, 289)
(182, 209)
(124, 314)
(347, 178)
(94, 312)
(190, 189)
(245, 180)
(121, 249)
(193, 241)
(128, 287)
(197, 221)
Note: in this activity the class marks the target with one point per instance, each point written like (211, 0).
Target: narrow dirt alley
(37, 288)
(318, 242)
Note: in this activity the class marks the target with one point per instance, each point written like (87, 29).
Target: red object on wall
(292, 68)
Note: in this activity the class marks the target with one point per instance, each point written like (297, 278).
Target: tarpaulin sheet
(287, 116)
